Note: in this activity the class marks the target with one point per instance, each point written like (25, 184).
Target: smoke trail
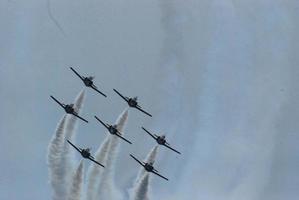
(71, 125)
(106, 188)
(68, 155)
(95, 171)
(77, 183)
(149, 159)
(53, 18)
(141, 186)
(56, 170)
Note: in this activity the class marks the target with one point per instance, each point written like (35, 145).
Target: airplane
(132, 102)
(113, 130)
(148, 167)
(69, 109)
(85, 153)
(88, 81)
(161, 140)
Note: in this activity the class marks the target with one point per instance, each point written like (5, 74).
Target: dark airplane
(69, 109)
(160, 140)
(132, 102)
(85, 153)
(88, 81)
(148, 167)
(113, 130)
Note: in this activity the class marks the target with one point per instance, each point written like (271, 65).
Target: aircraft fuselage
(148, 167)
(85, 153)
(161, 140)
(88, 82)
(69, 109)
(112, 130)
(132, 102)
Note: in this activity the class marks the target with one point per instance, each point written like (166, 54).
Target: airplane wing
(118, 135)
(149, 133)
(75, 114)
(125, 98)
(166, 145)
(139, 108)
(77, 73)
(96, 162)
(137, 160)
(160, 175)
(101, 122)
(95, 88)
(57, 101)
(74, 146)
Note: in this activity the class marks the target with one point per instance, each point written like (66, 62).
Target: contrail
(56, 170)
(95, 171)
(106, 187)
(77, 183)
(141, 186)
(53, 18)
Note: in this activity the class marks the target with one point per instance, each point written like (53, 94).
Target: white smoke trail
(77, 183)
(149, 159)
(71, 124)
(70, 131)
(94, 171)
(68, 155)
(141, 187)
(56, 170)
(106, 187)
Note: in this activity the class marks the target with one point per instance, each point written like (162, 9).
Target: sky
(219, 77)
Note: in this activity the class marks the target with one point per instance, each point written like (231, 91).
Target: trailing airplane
(160, 140)
(113, 130)
(148, 167)
(85, 153)
(69, 109)
(132, 102)
(88, 81)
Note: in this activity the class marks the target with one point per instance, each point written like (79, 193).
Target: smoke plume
(77, 183)
(56, 170)
(141, 186)
(149, 159)
(106, 188)
(95, 171)
(60, 158)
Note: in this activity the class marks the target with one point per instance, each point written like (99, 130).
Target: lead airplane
(113, 130)
(88, 81)
(148, 167)
(69, 109)
(161, 140)
(132, 102)
(85, 153)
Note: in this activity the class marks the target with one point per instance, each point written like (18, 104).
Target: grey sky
(220, 78)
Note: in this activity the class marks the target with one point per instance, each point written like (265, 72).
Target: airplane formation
(112, 128)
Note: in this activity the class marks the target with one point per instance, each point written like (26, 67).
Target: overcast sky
(220, 78)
